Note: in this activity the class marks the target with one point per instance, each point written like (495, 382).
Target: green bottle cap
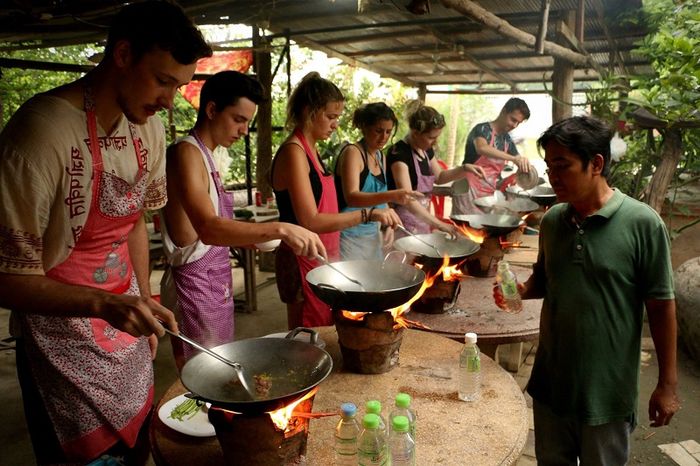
(400, 424)
(373, 406)
(370, 421)
(403, 400)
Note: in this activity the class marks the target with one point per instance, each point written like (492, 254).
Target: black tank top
(284, 200)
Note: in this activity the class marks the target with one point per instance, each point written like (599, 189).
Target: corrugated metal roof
(443, 47)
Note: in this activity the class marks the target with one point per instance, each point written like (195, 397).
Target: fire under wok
(291, 367)
(492, 224)
(457, 249)
(387, 284)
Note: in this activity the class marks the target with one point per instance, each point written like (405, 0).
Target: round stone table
(475, 311)
(491, 431)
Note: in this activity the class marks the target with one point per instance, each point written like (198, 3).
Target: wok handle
(313, 334)
(327, 286)
(403, 255)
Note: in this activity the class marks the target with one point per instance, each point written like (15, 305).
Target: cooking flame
(509, 244)
(478, 236)
(282, 416)
(449, 273)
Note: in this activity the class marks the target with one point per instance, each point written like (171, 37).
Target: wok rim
(476, 246)
(269, 404)
(365, 293)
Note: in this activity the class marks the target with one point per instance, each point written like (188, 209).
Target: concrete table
(475, 311)
(491, 431)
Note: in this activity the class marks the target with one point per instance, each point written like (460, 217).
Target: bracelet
(464, 167)
(369, 215)
(363, 216)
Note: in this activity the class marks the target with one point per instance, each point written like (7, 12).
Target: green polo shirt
(596, 277)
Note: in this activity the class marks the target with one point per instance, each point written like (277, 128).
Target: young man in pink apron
(489, 146)
(198, 226)
(306, 196)
(78, 165)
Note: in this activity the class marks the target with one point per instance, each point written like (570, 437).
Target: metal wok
(491, 204)
(293, 367)
(457, 249)
(543, 195)
(492, 224)
(387, 284)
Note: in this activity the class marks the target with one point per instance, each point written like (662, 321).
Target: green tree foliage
(671, 92)
(18, 85)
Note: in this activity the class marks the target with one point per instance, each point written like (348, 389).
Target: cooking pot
(492, 224)
(457, 249)
(543, 195)
(387, 284)
(293, 368)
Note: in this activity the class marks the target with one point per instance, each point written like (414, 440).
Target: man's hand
(153, 345)
(663, 404)
(522, 163)
(135, 315)
(302, 241)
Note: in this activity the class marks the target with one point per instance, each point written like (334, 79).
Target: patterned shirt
(46, 179)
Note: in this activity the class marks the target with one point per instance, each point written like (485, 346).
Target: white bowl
(268, 246)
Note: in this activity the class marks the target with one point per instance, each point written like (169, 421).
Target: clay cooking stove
(266, 439)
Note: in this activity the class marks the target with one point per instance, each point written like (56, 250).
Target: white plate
(196, 426)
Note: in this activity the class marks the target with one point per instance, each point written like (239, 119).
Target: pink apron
(204, 287)
(96, 382)
(317, 313)
(492, 167)
(424, 185)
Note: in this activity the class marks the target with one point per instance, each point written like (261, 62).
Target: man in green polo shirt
(603, 258)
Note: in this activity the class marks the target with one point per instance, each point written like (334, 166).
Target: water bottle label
(473, 364)
(510, 288)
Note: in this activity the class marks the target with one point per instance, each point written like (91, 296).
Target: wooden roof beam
(479, 14)
(568, 35)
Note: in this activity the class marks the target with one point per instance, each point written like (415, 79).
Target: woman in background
(306, 196)
(361, 181)
(413, 166)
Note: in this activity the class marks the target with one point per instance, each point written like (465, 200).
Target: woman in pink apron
(412, 165)
(306, 196)
(103, 392)
(489, 146)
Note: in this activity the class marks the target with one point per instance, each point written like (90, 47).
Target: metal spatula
(418, 238)
(357, 282)
(246, 381)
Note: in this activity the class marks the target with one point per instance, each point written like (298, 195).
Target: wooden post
(422, 91)
(263, 69)
(563, 79)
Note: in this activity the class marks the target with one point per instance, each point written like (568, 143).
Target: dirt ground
(687, 244)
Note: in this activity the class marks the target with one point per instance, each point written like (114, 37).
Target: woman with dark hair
(306, 195)
(361, 181)
(413, 166)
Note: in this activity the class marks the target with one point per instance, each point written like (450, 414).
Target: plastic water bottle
(375, 407)
(347, 433)
(402, 446)
(403, 408)
(509, 287)
(469, 370)
(372, 447)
